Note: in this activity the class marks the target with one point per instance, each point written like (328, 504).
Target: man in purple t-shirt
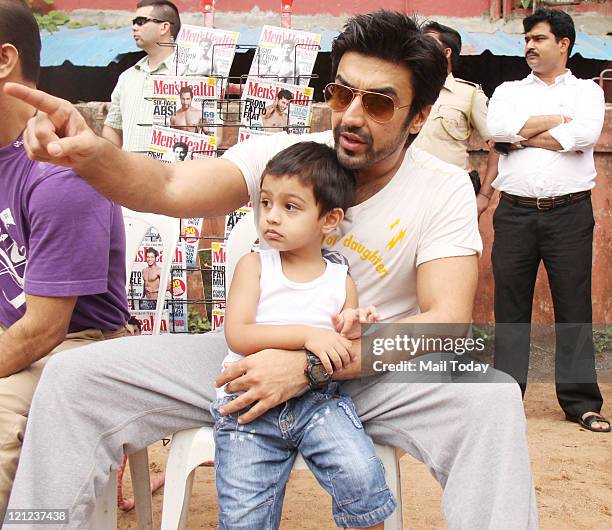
(62, 251)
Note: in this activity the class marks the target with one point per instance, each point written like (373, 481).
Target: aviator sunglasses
(141, 21)
(377, 106)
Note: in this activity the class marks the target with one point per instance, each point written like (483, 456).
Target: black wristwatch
(317, 377)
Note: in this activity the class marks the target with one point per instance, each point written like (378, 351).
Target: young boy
(290, 297)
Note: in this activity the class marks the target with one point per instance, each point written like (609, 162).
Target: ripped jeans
(253, 462)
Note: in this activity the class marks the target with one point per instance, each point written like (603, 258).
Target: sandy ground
(572, 469)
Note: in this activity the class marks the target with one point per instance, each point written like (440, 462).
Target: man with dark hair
(276, 116)
(283, 64)
(151, 275)
(460, 109)
(202, 62)
(412, 241)
(154, 27)
(181, 150)
(188, 117)
(62, 255)
(553, 121)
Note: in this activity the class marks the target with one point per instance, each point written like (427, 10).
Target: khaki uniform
(460, 108)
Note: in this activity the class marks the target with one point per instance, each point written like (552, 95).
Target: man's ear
(9, 60)
(331, 220)
(564, 44)
(419, 120)
(167, 31)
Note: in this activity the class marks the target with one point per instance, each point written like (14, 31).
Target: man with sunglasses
(412, 242)
(155, 26)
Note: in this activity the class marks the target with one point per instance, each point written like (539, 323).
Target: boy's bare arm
(243, 335)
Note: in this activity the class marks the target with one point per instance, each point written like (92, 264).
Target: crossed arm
(508, 122)
(43, 326)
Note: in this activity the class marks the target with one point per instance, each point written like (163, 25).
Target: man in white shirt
(155, 26)
(412, 242)
(549, 124)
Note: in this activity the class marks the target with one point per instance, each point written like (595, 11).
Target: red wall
(459, 8)
(467, 8)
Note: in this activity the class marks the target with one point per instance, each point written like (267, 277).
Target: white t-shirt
(427, 211)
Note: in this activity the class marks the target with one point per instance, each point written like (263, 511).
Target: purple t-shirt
(71, 238)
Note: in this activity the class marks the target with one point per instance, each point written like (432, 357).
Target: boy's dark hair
(561, 24)
(449, 37)
(284, 94)
(186, 89)
(151, 250)
(316, 165)
(19, 28)
(164, 10)
(396, 37)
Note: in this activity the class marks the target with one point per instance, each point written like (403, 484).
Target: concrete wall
(483, 310)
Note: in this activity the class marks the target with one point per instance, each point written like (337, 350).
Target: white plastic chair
(136, 226)
(191, 447)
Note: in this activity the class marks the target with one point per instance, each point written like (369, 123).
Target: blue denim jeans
(253, 462)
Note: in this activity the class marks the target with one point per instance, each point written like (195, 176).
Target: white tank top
(282, 301)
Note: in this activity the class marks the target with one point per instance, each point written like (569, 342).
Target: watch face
(318, 373)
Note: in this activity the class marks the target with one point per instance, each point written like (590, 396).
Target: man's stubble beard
(371, 156)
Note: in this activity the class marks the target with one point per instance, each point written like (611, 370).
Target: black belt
(546, 203)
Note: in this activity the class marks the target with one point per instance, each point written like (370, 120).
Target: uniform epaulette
(476, 85)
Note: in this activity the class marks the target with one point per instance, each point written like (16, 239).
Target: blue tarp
(92, 46)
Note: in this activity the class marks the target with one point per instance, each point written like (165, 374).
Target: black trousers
(563, 239)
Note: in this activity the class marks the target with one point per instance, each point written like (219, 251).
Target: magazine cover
(287, 55)
(205, 51)
(191, 230)
(235, 216)
(145, 285)
(189, 104)
(218, 315)
(171, 145)
(245, 134)
(271, 107)
(217, 254)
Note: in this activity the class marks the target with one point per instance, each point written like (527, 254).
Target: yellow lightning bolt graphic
(394, 224)
(396, 239)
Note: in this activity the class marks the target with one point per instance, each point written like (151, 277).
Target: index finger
(37, 98)
(230, 372)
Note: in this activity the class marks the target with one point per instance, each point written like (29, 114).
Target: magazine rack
(230, 108)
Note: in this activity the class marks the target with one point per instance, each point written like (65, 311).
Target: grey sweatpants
(126, 394)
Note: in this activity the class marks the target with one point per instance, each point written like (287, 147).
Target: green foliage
(197, 324)
(52, 20)
(602, 339)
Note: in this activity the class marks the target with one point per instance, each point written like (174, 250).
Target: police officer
(460, 108)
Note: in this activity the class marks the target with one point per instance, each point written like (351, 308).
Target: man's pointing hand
(57, 133)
